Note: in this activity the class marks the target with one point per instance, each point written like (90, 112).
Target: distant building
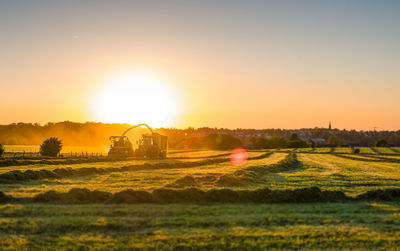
(330, 126)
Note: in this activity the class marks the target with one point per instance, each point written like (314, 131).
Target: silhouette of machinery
(153, 145)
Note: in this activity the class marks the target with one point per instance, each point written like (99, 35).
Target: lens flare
(239, 156)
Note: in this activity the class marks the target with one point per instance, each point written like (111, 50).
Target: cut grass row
(144, 179)
(208, 177)
(395, 151)
(255, 175)
(331, 172)
(27, 175)
(357, 225)
(197, 196)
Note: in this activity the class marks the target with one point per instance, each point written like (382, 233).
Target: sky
(230, 64)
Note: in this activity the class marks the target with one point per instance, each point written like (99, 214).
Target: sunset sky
(247, 64)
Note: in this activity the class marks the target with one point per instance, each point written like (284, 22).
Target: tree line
(97, 134)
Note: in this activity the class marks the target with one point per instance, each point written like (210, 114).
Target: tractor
(153, 145)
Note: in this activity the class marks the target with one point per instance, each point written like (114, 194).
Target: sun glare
(136, 98)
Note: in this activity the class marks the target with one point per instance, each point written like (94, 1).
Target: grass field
(207, 223)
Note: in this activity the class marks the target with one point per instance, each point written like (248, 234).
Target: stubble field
(323, 198)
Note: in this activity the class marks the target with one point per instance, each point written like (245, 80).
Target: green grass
(330, 172)
(355, 225)
(307, 226)
(147, 179)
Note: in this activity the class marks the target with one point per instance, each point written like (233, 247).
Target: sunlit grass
(334, 173)
(359, 225)
(146, 179)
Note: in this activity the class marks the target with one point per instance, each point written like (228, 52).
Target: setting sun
(136, 98)
(191, 125)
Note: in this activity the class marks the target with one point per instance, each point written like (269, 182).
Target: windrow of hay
(385, 159)
(186, 181)
(193, 195)
(371, 158)
(16, 176)
(190, 195)
(383, 195)
(200, 157)
(255, 174)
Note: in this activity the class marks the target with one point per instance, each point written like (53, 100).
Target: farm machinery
(153, 145)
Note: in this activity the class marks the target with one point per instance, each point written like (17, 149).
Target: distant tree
(334, 140)
(312, 144)
(1, 150)
(270, 143)
(256, 143)
(298, 143)
(394, 140)
(294, 136)
(222, 141)
(276, 142)
(193, 143)
(51, 147)
(356, 150)
(381, 143)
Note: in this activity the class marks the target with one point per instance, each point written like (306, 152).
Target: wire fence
(32, 151)
(24, 154)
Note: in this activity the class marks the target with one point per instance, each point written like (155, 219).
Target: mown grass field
(210, 209)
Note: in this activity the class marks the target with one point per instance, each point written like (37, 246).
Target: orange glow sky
(261, 64)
